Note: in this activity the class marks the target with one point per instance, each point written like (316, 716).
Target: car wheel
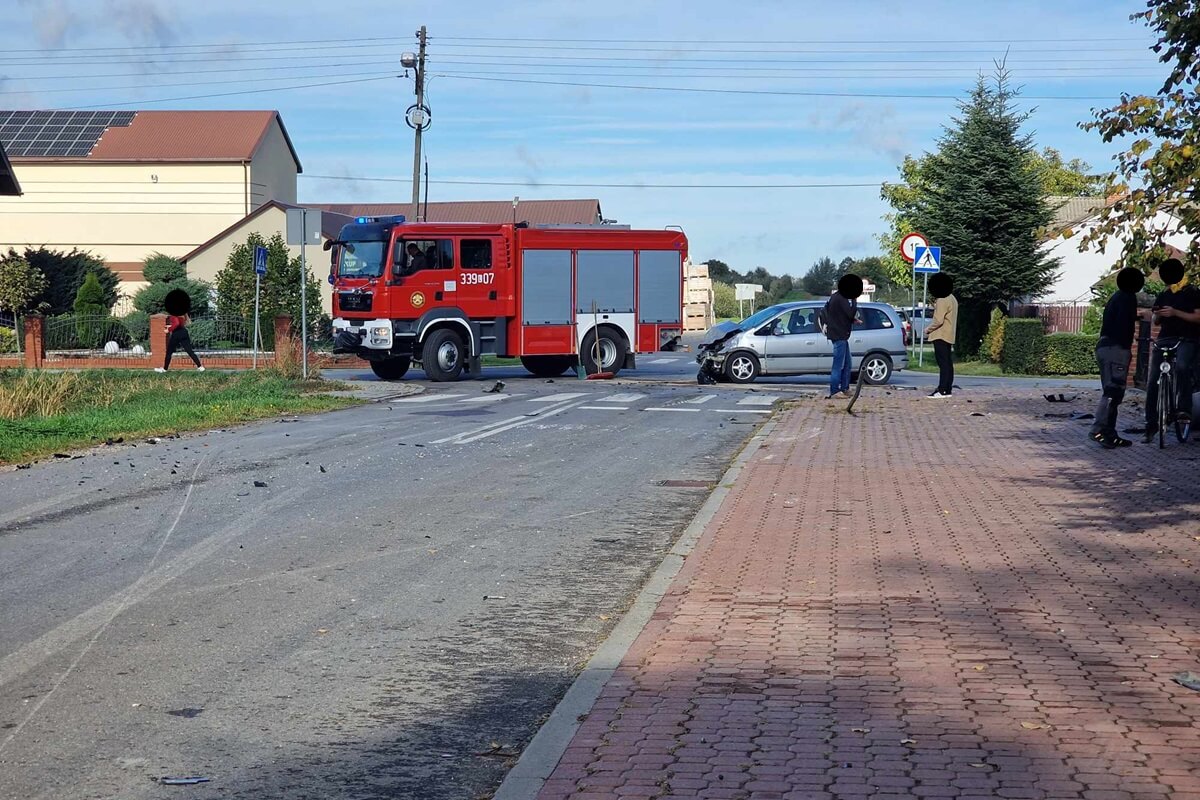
(443, 355)
(878, 369)
(742, 367)
(393, 369)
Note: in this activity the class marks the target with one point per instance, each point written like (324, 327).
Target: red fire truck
(446, 294)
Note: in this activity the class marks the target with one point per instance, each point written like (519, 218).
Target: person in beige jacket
(942, 331)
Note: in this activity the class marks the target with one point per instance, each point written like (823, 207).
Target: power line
(840, 66)
(142, 75)
(902, 49)
(762, 41)
(224, 94)
(538, 183)
(197, 83)
(779, 93)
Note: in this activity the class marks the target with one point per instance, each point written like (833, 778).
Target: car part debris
(260, 484)
(188, 781)
(1188, 680)
(494, 388)
(1060, 398)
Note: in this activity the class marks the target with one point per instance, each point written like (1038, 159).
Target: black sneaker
(1117, 441)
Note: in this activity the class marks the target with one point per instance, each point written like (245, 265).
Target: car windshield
(362, 259)
(759, 318)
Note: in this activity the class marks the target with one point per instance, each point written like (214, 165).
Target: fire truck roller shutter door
(605, 278)
(660, 299)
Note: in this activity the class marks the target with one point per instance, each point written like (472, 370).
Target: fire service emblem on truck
(418, 299)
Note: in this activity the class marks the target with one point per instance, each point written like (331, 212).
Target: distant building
(8, 179)
(1079, 271)
(125, 184)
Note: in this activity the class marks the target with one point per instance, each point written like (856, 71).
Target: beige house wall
(205, 265)
(273, 171)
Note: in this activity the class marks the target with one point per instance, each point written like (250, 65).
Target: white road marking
(741, 410)
(488, 398)
(533, 416)
(675, 408)
(630, 397)
(757, 400)
(519, 422)
(558, 398)
(663, 361)
(704, 398)
(604, 408)
(427, 398)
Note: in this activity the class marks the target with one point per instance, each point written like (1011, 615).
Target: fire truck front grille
(351, 301)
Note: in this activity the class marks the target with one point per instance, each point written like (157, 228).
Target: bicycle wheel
(1166, 405)
(1183, 428)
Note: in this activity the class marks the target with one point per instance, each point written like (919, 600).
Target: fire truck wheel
(742, 367)
(547, 366)
(612, 352)
(443, 355)
(392, 369)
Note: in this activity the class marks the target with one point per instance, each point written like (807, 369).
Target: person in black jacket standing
(1113, 353)
(1177, 310)
(841, 312)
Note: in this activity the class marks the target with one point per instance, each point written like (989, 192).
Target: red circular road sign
(909, 245)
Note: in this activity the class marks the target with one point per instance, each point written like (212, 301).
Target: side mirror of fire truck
(328, 245)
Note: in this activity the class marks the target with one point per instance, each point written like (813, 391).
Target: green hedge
(1071, 354)
(1024, 346)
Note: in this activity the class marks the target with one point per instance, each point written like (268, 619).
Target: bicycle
(1167, 400)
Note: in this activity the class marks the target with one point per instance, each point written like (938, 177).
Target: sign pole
(304, 294)
(925, 323)
(257, 292)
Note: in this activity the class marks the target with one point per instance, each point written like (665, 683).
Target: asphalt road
(391, 614)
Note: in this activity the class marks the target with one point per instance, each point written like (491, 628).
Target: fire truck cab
(446, 294)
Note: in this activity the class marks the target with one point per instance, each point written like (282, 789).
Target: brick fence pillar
(35, 341)
(286, 347)
(158, 339)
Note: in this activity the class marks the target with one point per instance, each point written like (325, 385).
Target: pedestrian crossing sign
(927, 259)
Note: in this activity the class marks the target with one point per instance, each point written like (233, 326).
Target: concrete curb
(539, 759)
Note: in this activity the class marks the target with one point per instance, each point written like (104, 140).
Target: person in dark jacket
(1113, 353)
(1176, 309)
(841, 312)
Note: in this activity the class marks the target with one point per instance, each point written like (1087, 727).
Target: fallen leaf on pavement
(1032, 726)
(908, 741)
(860, 730)
(1188, 680)
(980, 667)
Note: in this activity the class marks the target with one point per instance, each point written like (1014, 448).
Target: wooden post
(35, 341)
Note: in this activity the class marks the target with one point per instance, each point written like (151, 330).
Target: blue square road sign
(927, 259)
(260, 260)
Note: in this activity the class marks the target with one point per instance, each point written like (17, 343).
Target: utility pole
(418, 120)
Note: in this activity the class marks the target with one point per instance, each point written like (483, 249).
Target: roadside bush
(1071, 354)
(993, 340)
(8, 341)
(725, 304)
(1024, 346)
(203, 332)
(150, 298)
(1092, 320)
(159, 268)
(138, 325)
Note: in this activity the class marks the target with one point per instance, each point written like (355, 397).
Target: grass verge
(43, 413)
(979, 369)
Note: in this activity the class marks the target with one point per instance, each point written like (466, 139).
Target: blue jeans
(839, 378)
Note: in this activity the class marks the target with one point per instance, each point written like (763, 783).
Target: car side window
(799, 321)
(873, 319)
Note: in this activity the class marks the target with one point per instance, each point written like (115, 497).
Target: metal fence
(92, 334)
(218, 335)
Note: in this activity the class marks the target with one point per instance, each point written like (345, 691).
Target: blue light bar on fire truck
(398, 218)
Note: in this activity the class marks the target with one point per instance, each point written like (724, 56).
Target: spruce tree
(984, 205)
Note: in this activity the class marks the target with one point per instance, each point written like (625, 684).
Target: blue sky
(502, 115)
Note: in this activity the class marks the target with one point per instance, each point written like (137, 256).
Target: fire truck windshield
(362, 259)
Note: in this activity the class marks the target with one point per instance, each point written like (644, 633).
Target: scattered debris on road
(495, 388)
(1188, 680)
(188, 781)
(260, 484)
(1060, 398)
(186, 713)
(494, 597)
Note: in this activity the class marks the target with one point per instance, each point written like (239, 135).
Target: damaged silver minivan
(785, 339)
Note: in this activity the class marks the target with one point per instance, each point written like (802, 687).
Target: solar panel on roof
(57, 133)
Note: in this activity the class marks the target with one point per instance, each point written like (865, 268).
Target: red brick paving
(919, 603)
